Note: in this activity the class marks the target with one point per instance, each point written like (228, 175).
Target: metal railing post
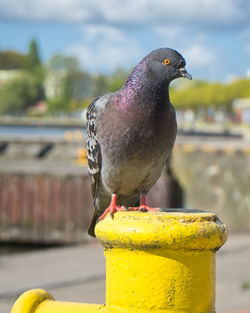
(161, 262)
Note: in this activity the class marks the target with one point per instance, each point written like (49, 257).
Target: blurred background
(55, 57)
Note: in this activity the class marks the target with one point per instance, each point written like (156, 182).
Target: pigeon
(131, 134)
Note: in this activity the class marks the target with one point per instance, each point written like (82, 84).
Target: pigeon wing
(93, 147)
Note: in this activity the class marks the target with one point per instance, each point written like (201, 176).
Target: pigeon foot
(112, 208)
(143, 207)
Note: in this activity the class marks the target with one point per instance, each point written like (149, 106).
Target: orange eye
(166, 61)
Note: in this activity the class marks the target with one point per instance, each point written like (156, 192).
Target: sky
(212, 35)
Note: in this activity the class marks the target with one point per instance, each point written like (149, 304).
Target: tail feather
(134, 201)
(91, 230)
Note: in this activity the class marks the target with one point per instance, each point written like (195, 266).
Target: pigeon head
(166, 65)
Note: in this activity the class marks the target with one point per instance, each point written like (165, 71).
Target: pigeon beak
(184, 73)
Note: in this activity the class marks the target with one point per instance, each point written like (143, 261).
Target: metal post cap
(171, 229)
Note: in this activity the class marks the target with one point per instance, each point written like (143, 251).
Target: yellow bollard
(40, 301)
(156, 262)
(161, 262)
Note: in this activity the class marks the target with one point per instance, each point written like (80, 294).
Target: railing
(156, 263)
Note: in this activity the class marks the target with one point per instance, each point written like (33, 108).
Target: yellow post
(156, 262)
(40, 301)
(161, 262)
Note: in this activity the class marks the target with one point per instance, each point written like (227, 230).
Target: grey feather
(131, 132)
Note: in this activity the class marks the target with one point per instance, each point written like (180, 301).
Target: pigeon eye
(166, 61)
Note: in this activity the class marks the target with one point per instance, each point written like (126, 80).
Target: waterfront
(77, 273)
(46, 197)
(36, 131)
(45, 192)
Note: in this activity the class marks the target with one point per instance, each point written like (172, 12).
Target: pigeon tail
(91, 230)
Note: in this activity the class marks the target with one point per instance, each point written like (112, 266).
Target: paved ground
(78, 274)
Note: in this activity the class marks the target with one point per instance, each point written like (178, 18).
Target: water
(36, 131)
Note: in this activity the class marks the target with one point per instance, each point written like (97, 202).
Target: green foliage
(101, 84)
(107, 83)
(19, 93)
(80, 85)
(210, 95)
(239, 87)
(10, 60)
(75, 87)
(32, 60)
(14, 60)
(117, 79)
(25, 89)
(74, 104)
(57, 105)
(62, 63)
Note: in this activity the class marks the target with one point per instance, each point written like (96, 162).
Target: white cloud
(112, 28)
(245, 37)
(248, 73)
(192, 45)
(105, 48)
(200, 56)
(231, 78)
(225, 13)
(203, 61)
(247, 47)
(39, 10)
(180, 12)
(99, 32)
(170, 36)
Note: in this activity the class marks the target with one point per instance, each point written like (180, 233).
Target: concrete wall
(45, 208)
(217, 181)
(45, 196)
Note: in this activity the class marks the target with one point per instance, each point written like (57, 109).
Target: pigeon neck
(143, 91)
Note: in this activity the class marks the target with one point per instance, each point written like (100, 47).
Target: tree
(117, 79)
(62, 63)
(19, 93)
(202, 95)
(76, 85)
(10, 60)
(32, 59)
(80, 84)
(100, 84)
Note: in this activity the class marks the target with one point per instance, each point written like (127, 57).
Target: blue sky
(212, 35)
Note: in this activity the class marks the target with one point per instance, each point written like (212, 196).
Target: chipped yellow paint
(158, 262)
(161, 262)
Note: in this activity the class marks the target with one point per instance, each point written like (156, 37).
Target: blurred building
(242, 110)
(6, 75)
(53, 84)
